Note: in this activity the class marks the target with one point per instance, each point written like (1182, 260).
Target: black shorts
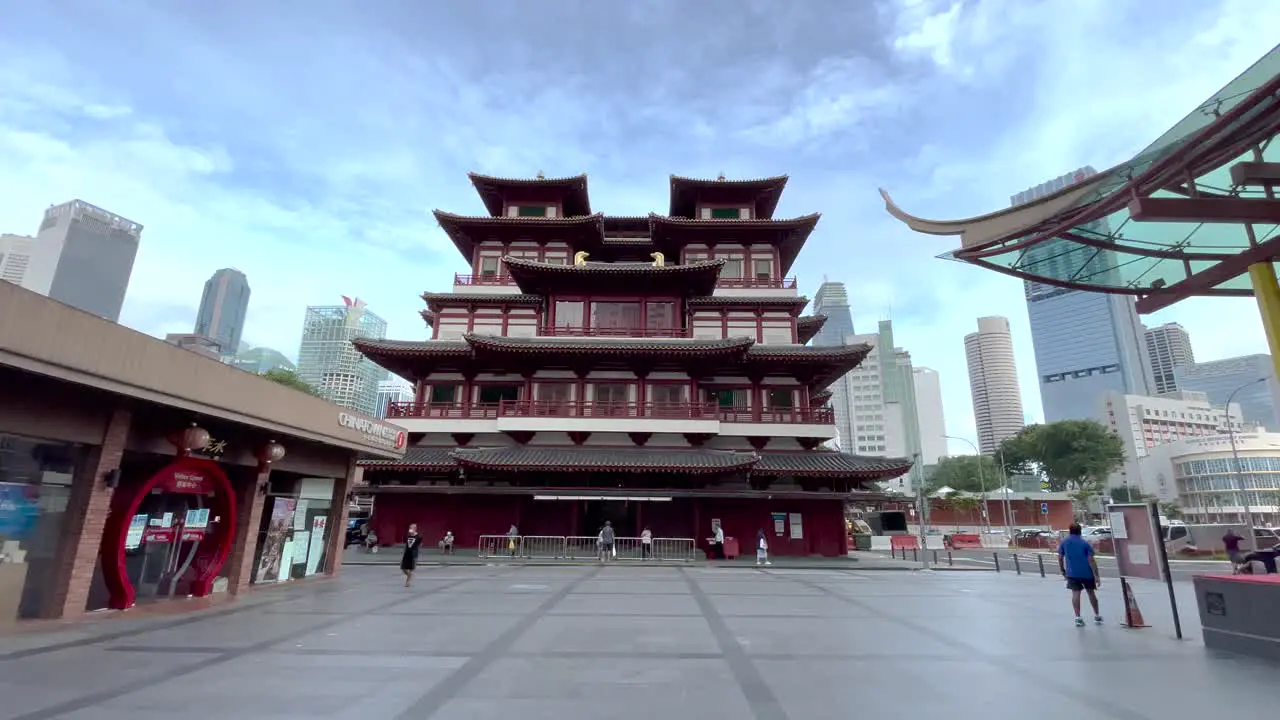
(1078, 584)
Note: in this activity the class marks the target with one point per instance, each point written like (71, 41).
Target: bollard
(935, 557)
(1017, 567)
(915, 555)
(996, 556)
(1040, 559)
(950, 560)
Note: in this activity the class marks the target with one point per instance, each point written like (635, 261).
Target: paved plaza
(539, 642)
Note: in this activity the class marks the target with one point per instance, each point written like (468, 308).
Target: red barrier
(966, 541)
(899, 542)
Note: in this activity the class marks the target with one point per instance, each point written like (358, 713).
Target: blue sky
(306, 143)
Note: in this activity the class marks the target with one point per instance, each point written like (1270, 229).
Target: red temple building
(651, 371)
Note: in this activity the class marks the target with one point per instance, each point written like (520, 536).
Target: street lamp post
(1235, 458)
(1008, 509)
(982, 483)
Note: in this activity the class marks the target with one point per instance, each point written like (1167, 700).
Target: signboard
(779, 523)
(197, 519)
(797, 526)
(158, 534)
(187, 482)
(137, 525)
(1044, 508)
(378, 433)
(316, 550)
(1136, 539)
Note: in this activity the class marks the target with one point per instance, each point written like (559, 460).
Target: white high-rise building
(393, 390)
(993, 383)
(1169, 347)
(882, 405)
(933, 425)
(1146, 422)
(15, 257)
(328, 362)
(83, 257)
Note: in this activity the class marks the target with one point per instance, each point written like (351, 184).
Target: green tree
(968, 505)
(960, 472)
(1127, 495)
(289, 378)
(1171, 510)
(1072, 455)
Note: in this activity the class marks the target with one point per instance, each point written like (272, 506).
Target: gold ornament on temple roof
(580, 257)
(658, 259)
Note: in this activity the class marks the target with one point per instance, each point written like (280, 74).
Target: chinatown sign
(376, 432)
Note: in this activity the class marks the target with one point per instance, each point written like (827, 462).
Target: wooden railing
(615, 332)
(574, 409)
(781, 416)
(777, 283)
(460, 279)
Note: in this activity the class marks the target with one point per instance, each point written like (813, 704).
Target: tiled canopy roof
(435, 301)
(808, 326)
(494, 190)
(829, 463)
(467, 230)
(820, 398)
(824, 364)
(763, 193)
(542, 278)
(813, 464)
(794, 304)
(613, 459)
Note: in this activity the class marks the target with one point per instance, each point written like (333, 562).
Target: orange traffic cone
(1132, 614)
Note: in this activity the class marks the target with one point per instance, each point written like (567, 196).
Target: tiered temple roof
(763, 193)
(532, 458)
(541, 278)
(570, 191)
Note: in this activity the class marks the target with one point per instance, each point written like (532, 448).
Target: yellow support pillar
(1267, 291)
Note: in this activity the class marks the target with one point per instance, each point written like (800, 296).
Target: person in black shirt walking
(409, 562)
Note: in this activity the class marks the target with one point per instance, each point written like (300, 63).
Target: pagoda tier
(817, 367)
(500, 195)
(851, 470)
(540, 278)
(672, 235)
(470, 231)
(760, 196)
(808, 327)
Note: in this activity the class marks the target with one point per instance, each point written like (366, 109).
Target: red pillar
(249, 503)
(339, 507)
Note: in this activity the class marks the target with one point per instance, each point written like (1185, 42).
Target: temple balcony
(486, 284)
(571, 416)
(756, 287)
(608, 332)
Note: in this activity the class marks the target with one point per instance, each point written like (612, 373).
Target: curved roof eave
(977, 231)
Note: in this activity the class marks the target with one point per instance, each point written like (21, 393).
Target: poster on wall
(779, 523)
(273, 543)
(137, 525)
(797, 526)
(197, 519)
(286, 561)
(301, 541)
(300, 515)
(316, 550)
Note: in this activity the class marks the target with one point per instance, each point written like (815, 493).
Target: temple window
(494, 394)
(444, 394)
(781, 398)
(762, 269)
(488, 266)
(660, 315)
(531, 211)
(555, 392)
(730, 398)
(569, 313)
(668, 393)
(732, 269)
(615, 315)
(776, 334)
(618, 393)
(725, 213)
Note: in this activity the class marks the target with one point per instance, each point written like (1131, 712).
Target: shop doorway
(293, 539)
(592, 515)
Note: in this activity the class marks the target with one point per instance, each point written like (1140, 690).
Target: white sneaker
(1079, 622)
(1097, 619)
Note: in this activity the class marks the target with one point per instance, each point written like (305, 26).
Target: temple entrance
(592, 515)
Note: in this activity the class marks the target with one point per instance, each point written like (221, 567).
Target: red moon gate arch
(184, 476)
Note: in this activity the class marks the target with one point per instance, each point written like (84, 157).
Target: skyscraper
(1086, 344)
(1259, 401)
(15, 257)
(993, 382)
(223, 308)
(882, 404)
(932, 422)
(83, 256)
(832, 301)
(331, 364)
(1168, 347)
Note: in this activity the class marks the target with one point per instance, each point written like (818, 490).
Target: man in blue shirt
(1079, 566)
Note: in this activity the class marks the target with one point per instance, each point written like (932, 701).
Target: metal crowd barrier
(585, 548)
